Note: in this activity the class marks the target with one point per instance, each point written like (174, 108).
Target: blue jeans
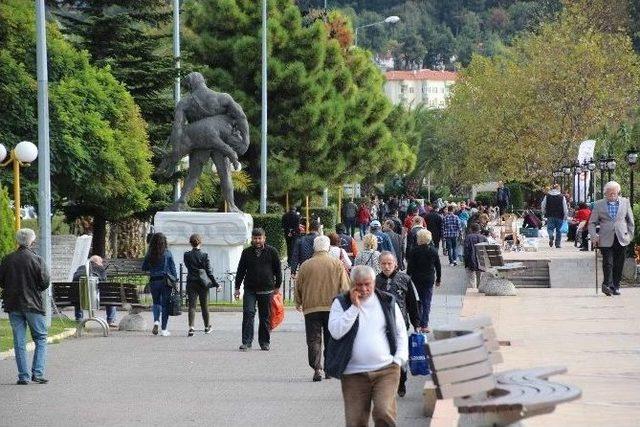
(363, 230)
(38, 327)
(451, 249)
(554, 224)
(160, 294)
(426, 292)
(110, 309)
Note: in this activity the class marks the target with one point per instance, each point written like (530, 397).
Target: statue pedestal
(224, 236)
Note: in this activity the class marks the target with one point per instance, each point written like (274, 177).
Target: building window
(403, 88)
(410, 90)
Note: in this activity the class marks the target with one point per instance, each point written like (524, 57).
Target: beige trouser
(359, 390)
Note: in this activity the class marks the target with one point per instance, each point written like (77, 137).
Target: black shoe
(402, 390)
(154, 331)
(615, 291)
(207, 330)
(606, 290)
(317, 375)
(584, 249)
(244, 347)
(264, 347)
(22, 382)
(327, 376)
(550, 243)
(39, 380)
(190, 333)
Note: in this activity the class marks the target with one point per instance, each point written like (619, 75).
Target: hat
(375, 224)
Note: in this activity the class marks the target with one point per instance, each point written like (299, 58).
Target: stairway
(535, 275)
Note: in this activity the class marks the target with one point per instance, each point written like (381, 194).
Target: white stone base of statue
(224, 235)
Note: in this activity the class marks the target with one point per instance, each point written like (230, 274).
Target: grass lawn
(6, 337)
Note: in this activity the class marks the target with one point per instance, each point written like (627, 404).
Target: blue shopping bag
(565, 227)
(417, 355)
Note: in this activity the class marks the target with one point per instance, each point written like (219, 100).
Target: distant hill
(432, 32)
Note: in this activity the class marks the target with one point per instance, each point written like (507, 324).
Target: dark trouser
(351, 225)
(452, 242)
(436, 242)
(612, 264)
(291, 240)
(379, 387)
(249, 314)
(503, 208)
(193, 293)
(316, 326)
(160, 294)
(426, 292)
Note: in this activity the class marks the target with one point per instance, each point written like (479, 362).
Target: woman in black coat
(425, 270)
(196, 260)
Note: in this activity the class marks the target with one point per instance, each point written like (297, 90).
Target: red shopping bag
(277, 310)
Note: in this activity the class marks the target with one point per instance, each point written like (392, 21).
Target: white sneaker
(165, 333)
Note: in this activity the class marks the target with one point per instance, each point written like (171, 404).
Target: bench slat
(461, 358)
(467, 388)
(451, 345)
(464, 373)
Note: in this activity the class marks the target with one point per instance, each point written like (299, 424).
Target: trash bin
(89, 294)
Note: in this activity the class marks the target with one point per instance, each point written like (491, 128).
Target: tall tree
(99, 147)
(327, 109)
(526, 110)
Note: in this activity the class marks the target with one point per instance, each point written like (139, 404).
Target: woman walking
(369, 255)
(159, 263)
(338, 252)
(198, 266)
(424, 269)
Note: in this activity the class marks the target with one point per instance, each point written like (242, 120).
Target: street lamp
(388, 20)
(632, 159)
(591, 166)
(611, 166)
(23, 154)
(602, 165)
(556, 175)
(577, 170)
(566, 170)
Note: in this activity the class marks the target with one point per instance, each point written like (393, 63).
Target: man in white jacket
(380, 348)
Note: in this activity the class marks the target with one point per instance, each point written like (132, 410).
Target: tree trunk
(99, 235)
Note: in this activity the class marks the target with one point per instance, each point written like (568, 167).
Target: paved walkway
(140, 379)
(597, 338)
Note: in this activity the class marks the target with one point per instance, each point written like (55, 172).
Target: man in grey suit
(615, 217)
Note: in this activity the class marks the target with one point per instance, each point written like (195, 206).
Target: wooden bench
(66, 294)
(462, 369)
(490, 261)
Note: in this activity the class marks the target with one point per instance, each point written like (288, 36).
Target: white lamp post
(388, 20)
(23, 154)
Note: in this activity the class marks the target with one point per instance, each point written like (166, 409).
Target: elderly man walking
(614, 216)
(319, 280)
(369, 325)
(23, 278)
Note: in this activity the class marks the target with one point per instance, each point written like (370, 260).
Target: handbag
(169, 279)
(205, 279)
(339, 351)
(175, 306)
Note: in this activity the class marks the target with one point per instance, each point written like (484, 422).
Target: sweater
(260, 270)
(371, 350)
(318, 282)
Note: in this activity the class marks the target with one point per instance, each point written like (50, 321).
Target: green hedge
(7, 240)
(272, 225)
(486, 198)
(327, 216)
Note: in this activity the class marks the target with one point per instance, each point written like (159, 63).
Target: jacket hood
(554, 192)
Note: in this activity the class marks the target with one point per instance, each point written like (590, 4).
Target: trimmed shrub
(486, 197)
(275, 208)
(272, 225)
(517, 195)
(7, 240)
(327, 216)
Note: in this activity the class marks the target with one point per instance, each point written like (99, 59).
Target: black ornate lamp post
(557, 177)
(566, 170)
(611, 166)
(591, 166)
(632, 159)
(602, 165)
(577, 172)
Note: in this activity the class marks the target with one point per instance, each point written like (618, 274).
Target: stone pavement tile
(597, 338)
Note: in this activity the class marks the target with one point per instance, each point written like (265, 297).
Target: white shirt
(371, 350)
(341, 254)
